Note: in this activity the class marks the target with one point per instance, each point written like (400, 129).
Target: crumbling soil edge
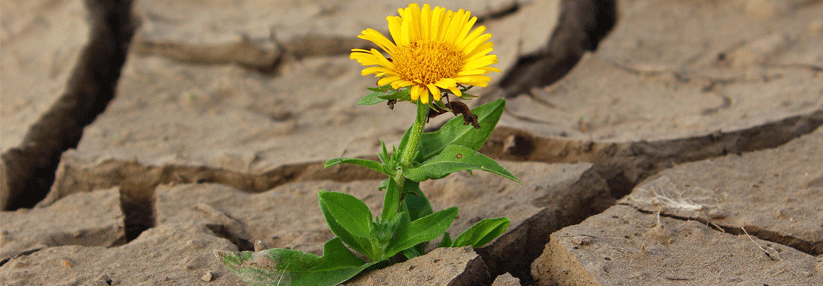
(28, 170)
(809, 247)
(625, 165)
(27, 252)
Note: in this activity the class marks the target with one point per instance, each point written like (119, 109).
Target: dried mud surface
(658, 142)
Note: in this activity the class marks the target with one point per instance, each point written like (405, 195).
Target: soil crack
(29, 169)
(581, 27)
(624, 165)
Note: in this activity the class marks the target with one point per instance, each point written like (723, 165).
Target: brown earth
(679, 145)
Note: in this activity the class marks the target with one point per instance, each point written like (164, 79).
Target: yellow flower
(432, 49)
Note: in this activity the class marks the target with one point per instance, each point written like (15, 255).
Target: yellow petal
(464, 31)
(471, 37)
(476, 42)
(434, 25)
(425, 22)
(374, 70)
(434, 90)
(414, 17)
(379, 39)
(446, 83)
(454, 26)
(405, 32)
(383, 61)
(395, 25)
(481, 62)
(415, 92)
(491, 69)
(387, 80)
(400, 84)
(456, 91)
(480, 51)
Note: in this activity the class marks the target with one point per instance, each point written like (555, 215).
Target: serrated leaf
(456, 158)
(454, 132)
(422, 230)
(292, 267)
(482, 232)
(374, 165)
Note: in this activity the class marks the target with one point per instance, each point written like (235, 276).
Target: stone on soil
(168, 254)
(506, 280)
(623, 246)
(89, 219)
(442, 266)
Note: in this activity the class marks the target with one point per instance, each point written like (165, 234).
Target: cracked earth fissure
(621, 166)
(30, 167)
(581, 27)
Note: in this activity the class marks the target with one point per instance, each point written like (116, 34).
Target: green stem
(407, 157)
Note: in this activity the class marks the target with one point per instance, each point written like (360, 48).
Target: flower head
(433, 49)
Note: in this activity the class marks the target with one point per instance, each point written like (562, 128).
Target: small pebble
(716, 213)
(207, 277)
(582, 240)
(259, 246)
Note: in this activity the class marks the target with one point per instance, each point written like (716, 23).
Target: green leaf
(380, 88)
(456, 158)
(371, 99)
(350, 212)
(415, 202)
(403, 94)
(374, 165)
(384, 155)
(292, 267)
(358, 243)
(422, 230)
(447, 240)
(454, 132)
(411, 253)
(404, 141)
(391, 202)
(482, 232)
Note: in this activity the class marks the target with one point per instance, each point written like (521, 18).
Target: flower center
(427, 62)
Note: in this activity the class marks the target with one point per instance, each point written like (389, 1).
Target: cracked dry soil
(659, 142)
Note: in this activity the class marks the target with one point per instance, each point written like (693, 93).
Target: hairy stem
(407, 157)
